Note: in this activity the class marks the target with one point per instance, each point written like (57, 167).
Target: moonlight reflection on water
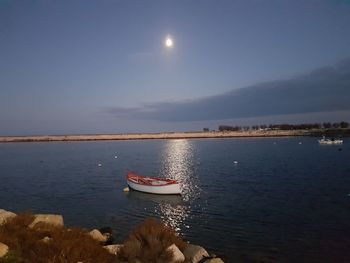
(178, 163)
(173, 215)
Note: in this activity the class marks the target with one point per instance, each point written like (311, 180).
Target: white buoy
(115, 157)
(99, 165)
(126, 189)
(300, 143)
(235, 162)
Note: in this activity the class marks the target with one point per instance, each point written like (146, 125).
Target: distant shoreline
(150, 136)
(177, 135)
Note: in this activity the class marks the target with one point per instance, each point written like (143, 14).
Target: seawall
(148, 136)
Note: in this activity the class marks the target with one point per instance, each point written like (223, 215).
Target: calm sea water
(285, 200)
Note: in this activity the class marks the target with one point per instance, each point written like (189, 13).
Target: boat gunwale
(167, 182)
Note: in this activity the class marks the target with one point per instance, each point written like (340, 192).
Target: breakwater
(149, 136)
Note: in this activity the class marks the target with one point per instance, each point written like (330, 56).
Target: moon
(168, 42)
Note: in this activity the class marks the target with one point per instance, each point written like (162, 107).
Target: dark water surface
(286, 200)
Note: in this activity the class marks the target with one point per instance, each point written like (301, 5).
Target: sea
(243, 199)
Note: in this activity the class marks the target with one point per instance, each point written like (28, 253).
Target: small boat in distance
(152, 185)
(332, 141)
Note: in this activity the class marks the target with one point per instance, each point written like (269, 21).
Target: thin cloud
(323, 90)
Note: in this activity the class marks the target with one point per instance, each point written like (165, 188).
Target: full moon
(168, 42)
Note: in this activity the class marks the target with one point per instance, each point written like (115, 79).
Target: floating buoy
(99, 165)
(115, 157)
(235, 162)
(300, 143)
(126, 189)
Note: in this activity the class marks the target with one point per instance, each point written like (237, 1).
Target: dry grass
(65, 245)
(148, 243)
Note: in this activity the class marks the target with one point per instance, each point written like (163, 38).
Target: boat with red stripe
(152, 185)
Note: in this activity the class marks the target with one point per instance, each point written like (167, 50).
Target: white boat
(152, 184)
(330, 141)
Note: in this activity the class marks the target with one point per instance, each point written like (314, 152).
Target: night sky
(82, 67)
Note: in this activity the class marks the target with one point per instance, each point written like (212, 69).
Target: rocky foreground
(41, 225)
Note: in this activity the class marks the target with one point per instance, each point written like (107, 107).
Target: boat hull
(162, 190)
(161, 186)
(329, 142)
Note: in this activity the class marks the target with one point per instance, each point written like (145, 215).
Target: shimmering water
(283, 200)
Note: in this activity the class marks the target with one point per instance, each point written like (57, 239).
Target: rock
(177, 254)
(4, 215)
(3, 249)
(194, 253)
(113, 249)
(214, 260)
(49, 219)
(95, 234)
(46, 239)
(108, 233)
(109, 238)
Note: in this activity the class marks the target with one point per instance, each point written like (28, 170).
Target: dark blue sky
(74, 66)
